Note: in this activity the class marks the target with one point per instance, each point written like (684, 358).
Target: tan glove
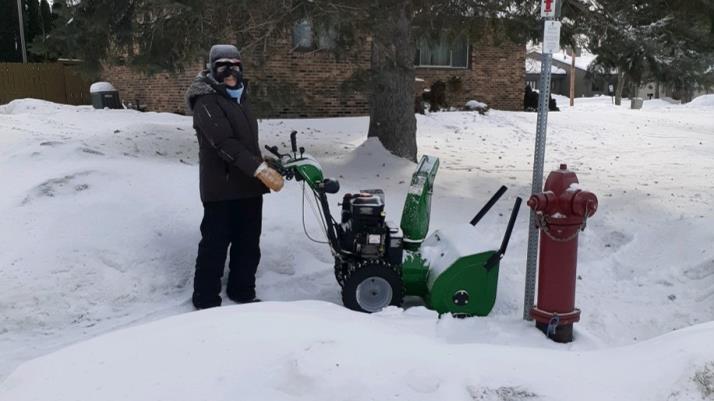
(271, 178)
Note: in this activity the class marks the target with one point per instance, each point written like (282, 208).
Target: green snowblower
(378, 263)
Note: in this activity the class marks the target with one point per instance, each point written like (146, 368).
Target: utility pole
(572, 78)
(22, 31)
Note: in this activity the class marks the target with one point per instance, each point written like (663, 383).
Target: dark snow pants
(235, 223)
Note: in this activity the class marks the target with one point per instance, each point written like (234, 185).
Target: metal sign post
(551, 41)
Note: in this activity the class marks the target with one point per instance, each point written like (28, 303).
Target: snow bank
(319, 351)
(654, 104)
(37, 106)
(702, 102)
(97, 212)
(100, 216)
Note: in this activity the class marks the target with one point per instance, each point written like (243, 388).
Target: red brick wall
(159, 92)
(496, 76)
(316, 77)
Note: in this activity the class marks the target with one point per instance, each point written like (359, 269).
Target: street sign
(551, 37)
(547, 8)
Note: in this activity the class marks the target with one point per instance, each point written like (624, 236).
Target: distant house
(310, 79)
(586, 85)
(655, 90)
(557, 76)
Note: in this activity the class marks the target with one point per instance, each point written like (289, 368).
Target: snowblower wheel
(372, 286)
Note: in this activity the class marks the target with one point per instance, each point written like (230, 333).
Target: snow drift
(319, 351)
(100, 216)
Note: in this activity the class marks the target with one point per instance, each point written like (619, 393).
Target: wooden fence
(55, 82)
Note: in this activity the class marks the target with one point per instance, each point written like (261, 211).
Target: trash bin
(104, 95)
(636, 103)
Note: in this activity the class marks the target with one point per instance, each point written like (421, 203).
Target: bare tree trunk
(657, 89)
(391, 99)
(620, 86)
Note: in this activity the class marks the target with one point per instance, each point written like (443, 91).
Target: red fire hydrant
(562, 211)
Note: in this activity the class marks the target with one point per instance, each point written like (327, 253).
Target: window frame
(306, 24)
(318, 38)
(451, 58)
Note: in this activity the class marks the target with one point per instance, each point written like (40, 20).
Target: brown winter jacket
(227, 134)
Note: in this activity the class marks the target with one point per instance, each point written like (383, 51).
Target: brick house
(311, 81)
(586, 84)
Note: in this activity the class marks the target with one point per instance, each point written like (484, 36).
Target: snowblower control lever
(293, 141)
(506, 237)
(273, 150)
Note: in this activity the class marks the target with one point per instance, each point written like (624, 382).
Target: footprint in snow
(67, 185)
(616, 240)
(500, 394)
(701, 271)
(92, 151)
(51, 143)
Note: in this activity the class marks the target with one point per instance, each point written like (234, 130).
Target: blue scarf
(235, 93)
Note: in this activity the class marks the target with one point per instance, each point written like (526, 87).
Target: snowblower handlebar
(273, 150)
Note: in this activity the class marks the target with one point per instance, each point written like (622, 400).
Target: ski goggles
(223, 65)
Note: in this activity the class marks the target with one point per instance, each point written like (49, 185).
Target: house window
(327, 37)
(303, 37)
(306, 39)
(442, 52)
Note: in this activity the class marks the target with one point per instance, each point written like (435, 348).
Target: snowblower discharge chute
(378, 263)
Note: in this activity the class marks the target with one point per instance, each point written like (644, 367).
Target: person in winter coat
(233, 179)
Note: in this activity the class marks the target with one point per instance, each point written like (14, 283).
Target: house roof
(582, 62)
(533, 66)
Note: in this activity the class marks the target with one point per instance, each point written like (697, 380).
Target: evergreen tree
(38, 46)
(169, 34)
(9, 32)
(56, 9)
(46, 17)
(669, 41)
(52, 43)
(33, 22)
(391, 25)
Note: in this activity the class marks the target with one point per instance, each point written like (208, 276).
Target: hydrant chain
(543, 225)
(552, 325)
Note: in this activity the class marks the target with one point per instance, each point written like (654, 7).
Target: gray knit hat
(219, 52)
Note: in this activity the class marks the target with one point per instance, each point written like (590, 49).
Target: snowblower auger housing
(377, 263)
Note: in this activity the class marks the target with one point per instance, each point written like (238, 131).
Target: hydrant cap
(560, 180)
(584, 204)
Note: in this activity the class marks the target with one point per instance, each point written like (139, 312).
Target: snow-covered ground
(100, 216)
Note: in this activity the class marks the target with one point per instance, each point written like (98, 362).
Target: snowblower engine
(364, 232)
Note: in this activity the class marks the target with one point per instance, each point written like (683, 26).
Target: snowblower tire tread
(357, 273)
